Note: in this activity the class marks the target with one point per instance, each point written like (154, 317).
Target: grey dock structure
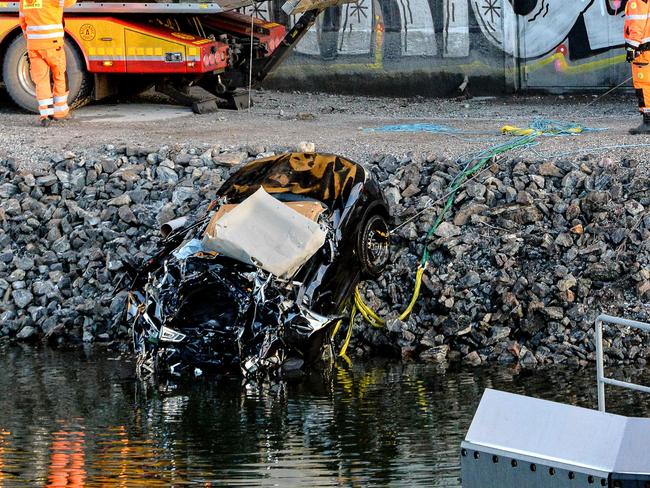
(516, 441)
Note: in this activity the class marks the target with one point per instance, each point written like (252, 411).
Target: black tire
(373, 246)
(19, 85)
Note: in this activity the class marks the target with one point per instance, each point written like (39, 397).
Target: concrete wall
(408, 47)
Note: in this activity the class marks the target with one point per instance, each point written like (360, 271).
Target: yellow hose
(416, 293)
(369, 314)
(373, 318)
(348, 336)
(336, 329)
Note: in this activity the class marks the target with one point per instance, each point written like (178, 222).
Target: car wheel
(19, 84)
(373, 246)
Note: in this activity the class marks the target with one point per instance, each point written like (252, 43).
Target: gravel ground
(335, 124)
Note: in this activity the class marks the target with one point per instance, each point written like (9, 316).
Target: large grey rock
(46, 180)
(26, 333)
(182, 194)
(8, 190)
(25, 263)
(43, 287)
(127, 215)
(230, 159)
(61, 245)
(437, 354)
(446, 229)
(22, 298)
(120, 200)
(393, 197)
(166, 175)
(109, 165)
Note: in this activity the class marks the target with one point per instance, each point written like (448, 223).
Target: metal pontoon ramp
(521, 442)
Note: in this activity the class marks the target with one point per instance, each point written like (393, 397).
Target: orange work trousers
(641, 75)
(43, 62)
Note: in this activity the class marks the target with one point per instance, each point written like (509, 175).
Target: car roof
(323, 177)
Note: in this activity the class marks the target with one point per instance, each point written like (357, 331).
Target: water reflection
(75, 419)
(67, 465)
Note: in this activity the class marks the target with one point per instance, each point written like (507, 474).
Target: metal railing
(600, 369)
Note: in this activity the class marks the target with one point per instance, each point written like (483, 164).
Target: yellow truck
(200, 54)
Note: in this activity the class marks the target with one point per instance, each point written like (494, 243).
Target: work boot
(64, 118)
(644, 128)
(45, 122)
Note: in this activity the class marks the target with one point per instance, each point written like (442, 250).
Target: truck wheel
(19, 85)
(373, 246)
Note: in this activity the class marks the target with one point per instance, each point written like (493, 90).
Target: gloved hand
(630, 53)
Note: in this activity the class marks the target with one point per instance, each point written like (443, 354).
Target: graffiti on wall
(526, 29)
(531, 28)
(573, 36)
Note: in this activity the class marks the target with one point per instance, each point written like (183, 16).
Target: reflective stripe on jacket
(42, 22)
(637, 27)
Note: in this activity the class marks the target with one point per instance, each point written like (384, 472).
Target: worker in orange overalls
(42, 24)
(637, 48)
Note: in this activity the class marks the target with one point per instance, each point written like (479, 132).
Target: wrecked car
(259, 281)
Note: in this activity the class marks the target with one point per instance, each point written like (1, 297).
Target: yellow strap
(512, 130)
(336, 328)
(348, 336)
(369, 314)
(373, 318)
(416, 294)
(515, 131)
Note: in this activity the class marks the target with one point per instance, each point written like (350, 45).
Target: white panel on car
(266, 233)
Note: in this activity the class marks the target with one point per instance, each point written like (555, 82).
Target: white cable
(605, 94)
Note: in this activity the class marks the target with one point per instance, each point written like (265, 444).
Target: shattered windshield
(323, 177)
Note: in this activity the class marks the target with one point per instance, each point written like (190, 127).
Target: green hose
(472, 166)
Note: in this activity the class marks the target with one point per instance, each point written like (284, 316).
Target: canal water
(82, 419)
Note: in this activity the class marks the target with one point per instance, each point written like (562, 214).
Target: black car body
(196, 311)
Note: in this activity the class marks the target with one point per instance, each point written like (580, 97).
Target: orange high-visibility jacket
(637, 27)
(42, 22)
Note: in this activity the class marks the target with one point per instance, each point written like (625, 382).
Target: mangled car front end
(258, 283)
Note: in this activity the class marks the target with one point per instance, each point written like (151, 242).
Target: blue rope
(544, 126)
(432, 128)
(552, 128)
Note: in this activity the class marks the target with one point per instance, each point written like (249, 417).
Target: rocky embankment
(532, 252)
